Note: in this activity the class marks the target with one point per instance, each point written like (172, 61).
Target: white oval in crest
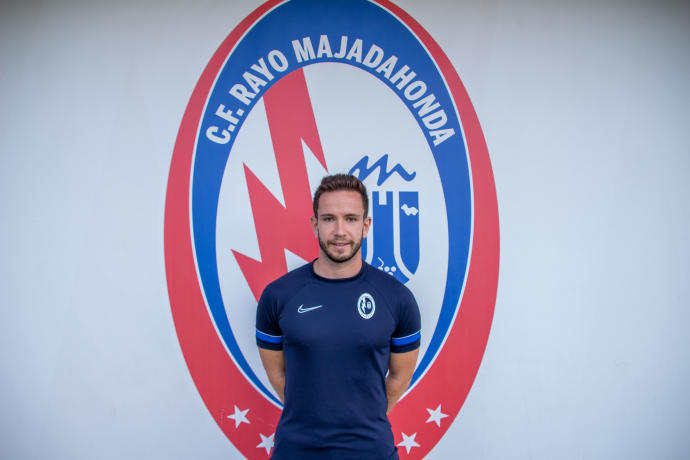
(366, 306)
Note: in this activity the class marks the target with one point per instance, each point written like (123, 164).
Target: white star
(266, 442)
(436, 415)
(239, 416)
(408, 442)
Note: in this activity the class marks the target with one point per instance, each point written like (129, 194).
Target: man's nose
(340, 226)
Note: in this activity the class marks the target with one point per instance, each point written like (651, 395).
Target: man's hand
(274, 363)
(400, 370)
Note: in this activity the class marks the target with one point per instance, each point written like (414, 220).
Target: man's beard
(355, 249)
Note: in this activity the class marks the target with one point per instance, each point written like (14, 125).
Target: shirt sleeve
(268, 333)
(407, 335)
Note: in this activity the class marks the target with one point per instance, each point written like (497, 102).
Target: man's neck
(326, 268)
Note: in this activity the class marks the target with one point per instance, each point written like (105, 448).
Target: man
(330, 330)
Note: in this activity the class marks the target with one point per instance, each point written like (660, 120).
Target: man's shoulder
(291, 280)
(385, 281)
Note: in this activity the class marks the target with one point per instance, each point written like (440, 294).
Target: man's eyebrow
(327, 214)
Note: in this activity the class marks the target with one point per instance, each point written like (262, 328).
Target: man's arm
(400, 370)
(274, 363)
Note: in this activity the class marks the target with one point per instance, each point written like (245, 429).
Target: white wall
(585, 109)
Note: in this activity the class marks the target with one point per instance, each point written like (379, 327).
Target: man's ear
(314, 226)
(367, 224)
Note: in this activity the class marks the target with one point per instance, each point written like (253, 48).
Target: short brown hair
(337, 182)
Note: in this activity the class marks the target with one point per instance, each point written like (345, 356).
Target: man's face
(340, 226)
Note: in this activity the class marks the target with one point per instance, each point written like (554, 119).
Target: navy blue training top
(336, 336)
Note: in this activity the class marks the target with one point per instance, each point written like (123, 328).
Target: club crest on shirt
(301, 89)
(366, 306)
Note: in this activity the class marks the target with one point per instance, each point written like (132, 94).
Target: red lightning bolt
(290, 121)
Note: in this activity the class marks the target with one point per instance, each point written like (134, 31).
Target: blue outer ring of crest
(276, 30)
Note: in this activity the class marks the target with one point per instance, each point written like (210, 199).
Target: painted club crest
(298, 90)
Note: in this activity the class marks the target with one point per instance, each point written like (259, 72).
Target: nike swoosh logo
(301, 308)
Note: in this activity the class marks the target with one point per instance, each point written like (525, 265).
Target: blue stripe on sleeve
(268, 338)
(399, 341)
